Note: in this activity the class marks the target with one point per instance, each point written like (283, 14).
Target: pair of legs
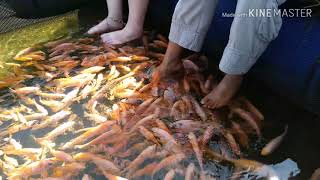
(218, 97)
(249, 37)
(112, 27)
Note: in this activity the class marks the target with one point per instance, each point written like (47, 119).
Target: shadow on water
(12, 42)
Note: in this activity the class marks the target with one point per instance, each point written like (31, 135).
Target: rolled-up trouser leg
(190, 22)
(250, 35)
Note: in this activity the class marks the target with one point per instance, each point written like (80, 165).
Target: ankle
(232, 77)
(231, 80)
(115, 17)
(114, 21)
(133, 30)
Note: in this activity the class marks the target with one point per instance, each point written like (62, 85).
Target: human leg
(114, 20)
(190, 23)
(134, 28)
(249, 37)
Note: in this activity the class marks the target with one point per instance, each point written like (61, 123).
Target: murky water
(14, 41)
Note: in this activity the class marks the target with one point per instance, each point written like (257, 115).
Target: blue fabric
(290, 66)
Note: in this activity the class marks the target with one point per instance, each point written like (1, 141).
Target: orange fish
(169, 162)
(145, 154)
(148, 135)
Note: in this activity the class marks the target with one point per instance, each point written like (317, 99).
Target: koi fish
(66, 169)
(56, 132)
(13, 64)
(169, 162)
(52, 104)
(198, 109)
(145, 154)
(166, 139)
(92, 70)
(274, 143)
(142, 121)
(148, 135)
(187, 126)
(96, 118)
(190, 172)
(138, 147)
(252, 108)
(34, 168)
(13, 142)
(99, 161)
(31, 153)
(100, 138)
(196, 149)
(89, 134)
(241, 163)
(162, 125)
(52, 120)
(17, 128)
(142, 107)
(24, 52)
(232, 142)
(248, 118)
(26, 90)
(147, 170)
(52, 95)
(61, 156)
(207, 135)
(242, 136)
(170, 175)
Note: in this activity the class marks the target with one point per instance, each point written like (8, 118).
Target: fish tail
(38, 140)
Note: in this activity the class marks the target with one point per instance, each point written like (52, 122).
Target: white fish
(274, 143)
(52, 119)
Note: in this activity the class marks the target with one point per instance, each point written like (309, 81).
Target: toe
(90, 31)
(212, 105)
(204, 100)
(208, 103)
(93, 30)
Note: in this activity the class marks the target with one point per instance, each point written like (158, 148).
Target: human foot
(107, 25)
(223, 93)
(171, 69)
(122, 36)
(168, 71)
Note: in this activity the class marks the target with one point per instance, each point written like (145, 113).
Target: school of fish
(75, 108)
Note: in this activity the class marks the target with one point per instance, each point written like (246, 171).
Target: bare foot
(167, 71)
(107, 25)
(171, 66)
(223, 93)
(171, 69)
(122, 36)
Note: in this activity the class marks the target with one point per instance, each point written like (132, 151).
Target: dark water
(301, 143)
